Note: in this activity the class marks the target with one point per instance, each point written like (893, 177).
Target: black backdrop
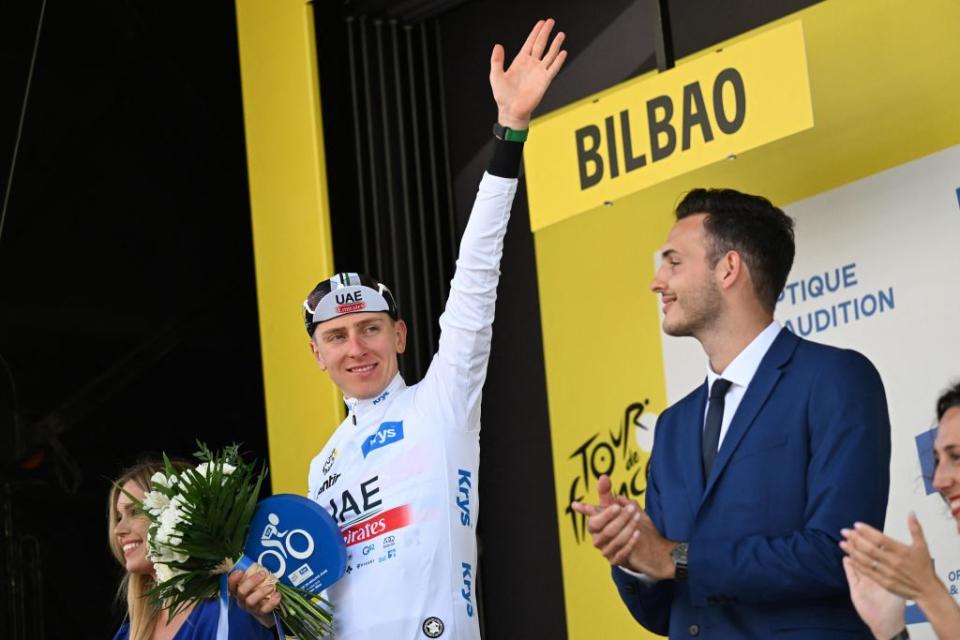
(127, 304)
(126, 253)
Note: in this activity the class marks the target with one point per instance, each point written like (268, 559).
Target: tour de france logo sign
(298, 541)
(615, 453)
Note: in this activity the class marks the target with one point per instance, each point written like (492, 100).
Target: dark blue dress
(202, 624)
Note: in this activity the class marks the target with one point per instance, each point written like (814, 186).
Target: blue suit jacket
(806, 454)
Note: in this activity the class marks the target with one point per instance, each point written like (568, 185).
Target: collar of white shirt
(741, 371)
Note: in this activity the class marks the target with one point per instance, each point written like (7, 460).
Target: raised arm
(454, 381)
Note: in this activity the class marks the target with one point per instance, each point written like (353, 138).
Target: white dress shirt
(740, 372)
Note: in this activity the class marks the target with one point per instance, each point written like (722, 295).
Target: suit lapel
(760, 388)
(691, 422)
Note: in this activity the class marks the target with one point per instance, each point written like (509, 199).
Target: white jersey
(399, 475)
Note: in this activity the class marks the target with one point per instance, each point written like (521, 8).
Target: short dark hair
(949, 400)
(750, 225)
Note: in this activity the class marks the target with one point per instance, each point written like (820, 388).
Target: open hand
(520, 88)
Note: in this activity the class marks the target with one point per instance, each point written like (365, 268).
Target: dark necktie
(711, 428)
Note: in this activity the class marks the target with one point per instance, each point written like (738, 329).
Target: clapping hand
(881, 610)
(625, 535)
(903, 569)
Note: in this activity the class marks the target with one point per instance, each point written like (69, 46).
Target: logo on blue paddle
(298, 541)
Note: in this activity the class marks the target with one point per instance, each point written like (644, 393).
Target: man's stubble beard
(701, 310)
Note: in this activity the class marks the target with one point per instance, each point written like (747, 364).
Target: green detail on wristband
(508, 134)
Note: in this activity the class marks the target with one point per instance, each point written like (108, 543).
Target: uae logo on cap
(350, 308)
(350, 302)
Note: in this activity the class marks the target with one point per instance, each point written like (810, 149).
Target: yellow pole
(291, 225)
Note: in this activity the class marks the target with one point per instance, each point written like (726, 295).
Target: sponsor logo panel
(348, 505)
(433, 627)
(328, 482)
(387, 434)
(350, 308)
(377, 525)
(464, 483)
(467, 590)
(350, 302)
(328, 463)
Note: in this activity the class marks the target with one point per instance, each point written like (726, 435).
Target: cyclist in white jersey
(399, 475)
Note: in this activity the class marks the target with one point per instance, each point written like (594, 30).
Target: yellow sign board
(651, 129)
(601, 325)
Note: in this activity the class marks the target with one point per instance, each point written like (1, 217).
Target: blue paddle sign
(297, 540)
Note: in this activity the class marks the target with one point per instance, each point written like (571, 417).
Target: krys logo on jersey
(616, 455)
(466, 591)
(464, 484)
(387, 434)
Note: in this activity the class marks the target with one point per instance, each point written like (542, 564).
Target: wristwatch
(679, 555)
(510, 135)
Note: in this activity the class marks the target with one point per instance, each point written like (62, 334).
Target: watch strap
(679, 555)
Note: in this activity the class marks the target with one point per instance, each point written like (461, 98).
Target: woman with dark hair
(127, 535)
(883, 573)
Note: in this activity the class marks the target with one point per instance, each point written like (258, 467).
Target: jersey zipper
(352, 409)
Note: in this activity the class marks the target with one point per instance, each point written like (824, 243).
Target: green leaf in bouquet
(203, 454)
(244, 508)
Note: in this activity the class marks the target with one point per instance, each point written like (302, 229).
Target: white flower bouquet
(199, 520)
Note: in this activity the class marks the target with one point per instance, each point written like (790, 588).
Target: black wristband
(903, 635)
(506, 159)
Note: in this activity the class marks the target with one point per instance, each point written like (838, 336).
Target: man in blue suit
(753, 474)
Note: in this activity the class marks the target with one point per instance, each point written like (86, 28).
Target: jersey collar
(359, 410)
